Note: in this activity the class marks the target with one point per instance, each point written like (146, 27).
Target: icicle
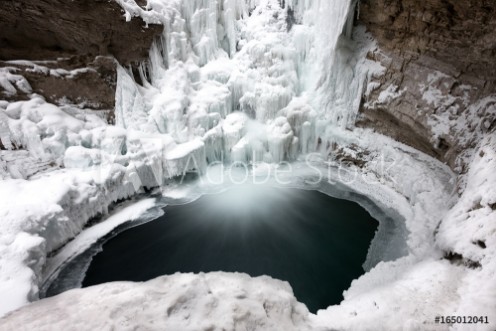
(130, 110)
(216, 57)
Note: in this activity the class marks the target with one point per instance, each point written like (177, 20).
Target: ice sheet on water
(130, 214)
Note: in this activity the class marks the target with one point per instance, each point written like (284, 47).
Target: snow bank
(41, 215)
(469, 230)
(125, 214)
(214, 301)
(428, 282)
(415, 274)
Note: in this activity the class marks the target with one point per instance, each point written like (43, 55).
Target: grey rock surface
(437, 92)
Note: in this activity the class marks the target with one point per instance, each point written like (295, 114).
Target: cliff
(437, 93)
(78, 38)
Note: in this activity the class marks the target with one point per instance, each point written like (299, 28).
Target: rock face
(81, 80)
(440, 60)
(72, 36)
(48, 29)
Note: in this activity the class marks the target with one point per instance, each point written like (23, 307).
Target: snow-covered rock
(214, 301)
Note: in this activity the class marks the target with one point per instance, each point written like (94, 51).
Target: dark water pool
(316, 243)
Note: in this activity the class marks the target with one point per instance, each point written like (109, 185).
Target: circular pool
(315, 242)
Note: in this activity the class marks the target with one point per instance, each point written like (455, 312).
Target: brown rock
(447, 46)
(49, 29)
(459, 33)
(80, 36)
(89, 82)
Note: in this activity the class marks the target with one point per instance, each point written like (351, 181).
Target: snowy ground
(220, 301)
(416, 287)
(223, 85)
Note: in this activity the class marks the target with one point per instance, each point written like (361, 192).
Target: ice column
(337, 86)
(288, 65)
(130, 110)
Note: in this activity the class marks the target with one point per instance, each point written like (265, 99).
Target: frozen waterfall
(247, 80)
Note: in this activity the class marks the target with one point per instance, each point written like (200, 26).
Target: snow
(38, 67)
(416, 295)
(45, 129)
(41, 215)
(126, 214)
(389, 94)
(388, 284)
(185, 157)
(11, 83)
(468, 125)
(221, 301)
(231, 81)
(468, 229)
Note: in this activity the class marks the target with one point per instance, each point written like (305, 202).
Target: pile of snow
(418, 284)
(41, 215)
(214, 301)
(451, 262)
(11, 83)
(469, 230)
(79, 139)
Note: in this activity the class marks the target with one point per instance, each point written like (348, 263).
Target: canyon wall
(437, 93)
(73, 44)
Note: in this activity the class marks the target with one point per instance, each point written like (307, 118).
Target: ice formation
(231, 80)
(256, 81)
(235, 75)
(225, 82)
